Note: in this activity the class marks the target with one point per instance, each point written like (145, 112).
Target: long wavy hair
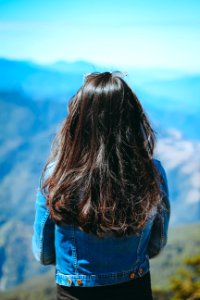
(104, 179)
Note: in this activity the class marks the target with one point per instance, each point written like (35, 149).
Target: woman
(102, 208)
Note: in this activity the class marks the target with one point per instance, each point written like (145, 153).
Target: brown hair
(104, 179)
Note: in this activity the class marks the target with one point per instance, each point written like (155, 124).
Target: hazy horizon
(135, 34)
(111, 67)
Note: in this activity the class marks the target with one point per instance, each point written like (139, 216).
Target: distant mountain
(28, 78)
(184, 91)
(33, 103)
(28, 126)
(172, 95)
(73, 67)
(182, 164)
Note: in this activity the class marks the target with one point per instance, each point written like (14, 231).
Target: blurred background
(45, 49)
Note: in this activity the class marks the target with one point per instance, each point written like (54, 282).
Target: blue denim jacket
(82, 259)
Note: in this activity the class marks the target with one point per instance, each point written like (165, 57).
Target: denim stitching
(41, 241)
(139, 246)
(75, 260)
(102, 275)
(164, 237)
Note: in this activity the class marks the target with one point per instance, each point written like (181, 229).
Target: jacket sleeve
(159, 231)
(43, 232)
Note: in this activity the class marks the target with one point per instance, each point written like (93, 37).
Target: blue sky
(145, 33)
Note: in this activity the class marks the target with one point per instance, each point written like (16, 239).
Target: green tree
(185, 285)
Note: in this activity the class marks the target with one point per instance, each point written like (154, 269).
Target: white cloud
(193, 196)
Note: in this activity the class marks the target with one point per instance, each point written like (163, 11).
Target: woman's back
(107, 208)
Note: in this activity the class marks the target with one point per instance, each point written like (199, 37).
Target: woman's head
(104, 177)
